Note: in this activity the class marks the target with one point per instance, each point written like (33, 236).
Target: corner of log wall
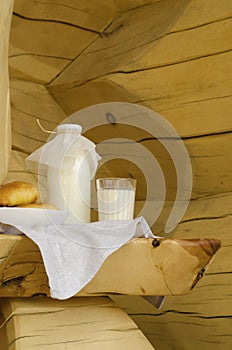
(171, 56)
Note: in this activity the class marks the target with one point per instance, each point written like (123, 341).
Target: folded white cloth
(73, 254)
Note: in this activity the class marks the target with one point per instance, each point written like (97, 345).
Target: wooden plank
(36, 68)
(74, 12)
(130, 4)
(125, 39)
(74, 324)
(30, 101)
(22, 273)
(211, 297)
(73, 21)
(5, 125)
(211, 207)
(41, 38)
(211, 170)
(206, 40)
(202, 114)
(91, 93)
(210, 212)
(195, 330)
(178, 47)
(34, 99)
(18, 171)
(173, 86)
(29, 142)
(209, 156)
(199, 13)
(202, 319)
(206, 116)
(178, 79)
(207, 108)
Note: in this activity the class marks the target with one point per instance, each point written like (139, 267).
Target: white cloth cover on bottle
(63, 144)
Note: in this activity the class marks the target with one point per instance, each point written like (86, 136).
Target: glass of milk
(116, 198)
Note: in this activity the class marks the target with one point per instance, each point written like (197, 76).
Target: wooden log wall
(50, 324)
(5, 123)
(202, 319)
(173, 56)
(22, 272)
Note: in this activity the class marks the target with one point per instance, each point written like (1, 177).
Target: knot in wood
(201, 273)
(155, 243)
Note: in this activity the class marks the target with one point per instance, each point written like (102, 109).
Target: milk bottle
(71, 162)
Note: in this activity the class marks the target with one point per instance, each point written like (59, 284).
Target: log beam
(78, 323)
(166, 267)
(5, 124)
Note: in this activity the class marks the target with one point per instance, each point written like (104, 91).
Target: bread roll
(18, 192)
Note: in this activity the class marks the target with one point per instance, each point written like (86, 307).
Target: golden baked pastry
(38, 205)
(17, 192)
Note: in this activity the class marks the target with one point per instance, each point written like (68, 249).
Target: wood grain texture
(41, 38)
(30, 101)
(78, 323)
(171, 266)
(40, 69)
(53, 30)
(124, 40)
(5, 123)
(199, 13)
(209, 155)
(183, 73)
(130, 4)
(72, 12)
(170, 87)
(187, 84)
(214, 39)
(203, 318)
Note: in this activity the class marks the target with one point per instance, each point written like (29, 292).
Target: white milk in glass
(115, 203)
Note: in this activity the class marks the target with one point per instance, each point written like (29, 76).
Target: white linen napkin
(73, 254)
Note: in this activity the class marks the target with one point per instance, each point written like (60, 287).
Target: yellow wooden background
(173, 56)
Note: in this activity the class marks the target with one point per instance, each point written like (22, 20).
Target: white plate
(31, 216)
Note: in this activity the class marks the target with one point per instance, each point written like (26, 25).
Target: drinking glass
(116, 198)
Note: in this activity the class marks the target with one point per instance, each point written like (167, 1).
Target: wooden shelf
(141, 267)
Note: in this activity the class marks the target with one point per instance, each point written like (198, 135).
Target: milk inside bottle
(71, 162)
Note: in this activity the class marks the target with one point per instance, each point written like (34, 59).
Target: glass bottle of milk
(71, 162)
